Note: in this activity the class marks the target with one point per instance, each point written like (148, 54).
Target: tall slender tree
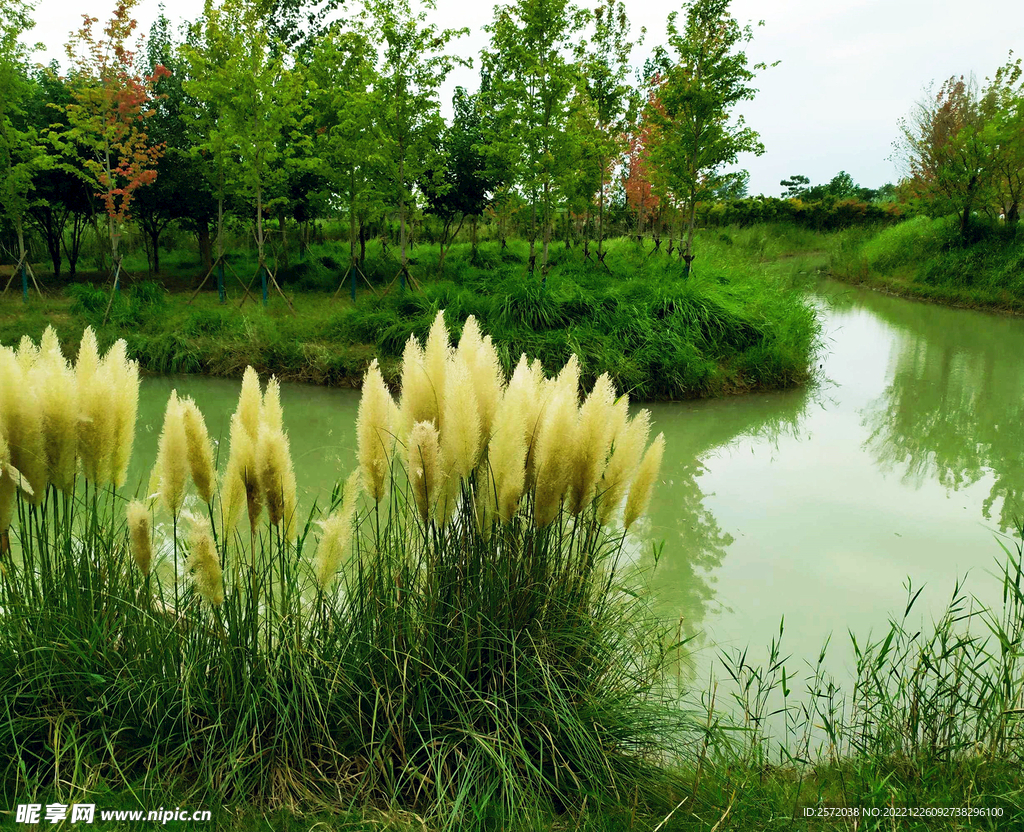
(530, 63)
(21, 152)
(412, 65)
(111, 100)
(254, 96)
(700, 79)
(605, 59)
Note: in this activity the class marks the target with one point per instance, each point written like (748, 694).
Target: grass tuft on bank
(736, 324)
(929, 259)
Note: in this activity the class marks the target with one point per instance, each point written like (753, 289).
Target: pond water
(906, 460)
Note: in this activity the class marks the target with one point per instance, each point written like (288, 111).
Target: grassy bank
(734, 325)
(927, 259)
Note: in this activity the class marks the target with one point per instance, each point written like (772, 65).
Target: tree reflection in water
(683, 580)
(953, 409)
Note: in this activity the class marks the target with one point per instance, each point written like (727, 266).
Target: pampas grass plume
(200, 450)
(643, 484)
(124, 407)
(172, 457)
(21, 422)
(336, 541)
(593, 441)
(203, 561)
(417, 402)
(556, 441)
(375, 432)
(250, 404)
(8, 482)
(436, 355)
(58, 403)
(423, 467)
(627, 448)
(277, 477)
(270, 412)
(241, 461)
(506, 454)
(460, 437)
(139, 536)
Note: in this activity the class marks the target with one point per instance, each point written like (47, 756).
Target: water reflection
(953, 407)
(684, 579)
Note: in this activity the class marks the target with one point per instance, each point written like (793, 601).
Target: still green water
(907, 459)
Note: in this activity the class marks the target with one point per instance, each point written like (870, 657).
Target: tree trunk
(283, 225)
(205, 246)
(688, 256)
(600, 217)
(546, 230)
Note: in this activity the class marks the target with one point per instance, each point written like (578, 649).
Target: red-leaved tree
(105, 139)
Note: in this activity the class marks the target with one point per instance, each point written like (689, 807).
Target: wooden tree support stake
(113, 289)
(352, 269)
(264, 274)
(25, 268)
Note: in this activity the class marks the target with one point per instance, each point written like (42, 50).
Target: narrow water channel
(906, 460)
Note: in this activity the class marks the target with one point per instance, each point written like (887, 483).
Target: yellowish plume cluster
(469, 435)
(338, 529)
(203, 562)
(199, 450)
(56, 419)
(259, 470)
(140, 538)
(375, 432)
(171, 469)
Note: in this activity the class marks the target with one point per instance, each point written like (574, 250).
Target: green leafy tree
(532, 78)
(341, 66)
(796, 186)
(605, 62)
(1005, 134)
(253, 98)
(412, 65)
(462, 188)
(61, 205)
(181, 192)
(704, 76)
(21, 153)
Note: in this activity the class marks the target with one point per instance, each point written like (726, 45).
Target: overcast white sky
(850, 68)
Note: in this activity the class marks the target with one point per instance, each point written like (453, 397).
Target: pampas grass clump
(447, 633)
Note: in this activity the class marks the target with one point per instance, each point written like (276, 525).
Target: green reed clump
(934, 716)
(452, 635)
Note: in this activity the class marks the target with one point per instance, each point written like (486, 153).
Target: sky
(848, 71)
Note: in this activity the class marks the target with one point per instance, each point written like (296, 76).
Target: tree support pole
(113, 289)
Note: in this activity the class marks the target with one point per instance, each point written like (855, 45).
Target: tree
(702, 80)
(638, 175)
(796, 186)
(461, 188)
(949, 160)
(341, 66)
(181, 192)
(61, 205)
(605, 61)
(531, 83)
(21, 154)
(1005, 134)
(110, 101)
(253, 98)
(412, 67)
